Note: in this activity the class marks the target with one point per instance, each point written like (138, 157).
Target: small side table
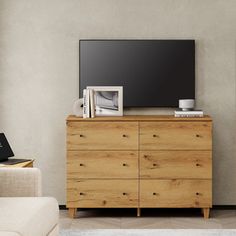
(19, 165)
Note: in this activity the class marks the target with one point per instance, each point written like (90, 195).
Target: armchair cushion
(28, 216)
(20, 182)
(6, 233)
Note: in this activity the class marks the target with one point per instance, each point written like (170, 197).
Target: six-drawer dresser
(139, 162)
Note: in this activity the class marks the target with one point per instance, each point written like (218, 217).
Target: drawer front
(175, 136)
(176, 193)
(176, 164)
(102, 164)
(102, 193)
(102, 135)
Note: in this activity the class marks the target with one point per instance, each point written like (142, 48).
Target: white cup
(186, 104)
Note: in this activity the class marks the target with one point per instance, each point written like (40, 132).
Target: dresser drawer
(102, 193)
(102, 135)
(175, 136)
(102, 164)
(175, 193)
(176, 164)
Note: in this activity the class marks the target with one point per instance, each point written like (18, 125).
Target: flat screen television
(153, 73)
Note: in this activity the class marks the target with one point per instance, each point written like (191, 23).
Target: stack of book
(88, 103)
(190, 113)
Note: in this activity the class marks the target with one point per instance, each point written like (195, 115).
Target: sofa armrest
(20, 182)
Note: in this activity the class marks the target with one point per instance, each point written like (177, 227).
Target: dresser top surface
(139, 118)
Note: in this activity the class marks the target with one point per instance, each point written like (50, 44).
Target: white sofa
(23, 212)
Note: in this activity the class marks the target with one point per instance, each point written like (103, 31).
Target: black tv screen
(153, 73)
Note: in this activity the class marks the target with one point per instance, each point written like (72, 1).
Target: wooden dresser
(139, 162)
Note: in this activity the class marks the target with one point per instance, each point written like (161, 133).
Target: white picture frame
(108, 100)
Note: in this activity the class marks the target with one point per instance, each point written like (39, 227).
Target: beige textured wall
(39, 71)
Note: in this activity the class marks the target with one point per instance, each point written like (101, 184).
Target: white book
(84, 103)
(177, 115)
(193, 113)
(189, 112)
(92, 107)
(87, 104)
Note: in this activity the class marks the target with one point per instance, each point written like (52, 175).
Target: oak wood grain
(206, 213)
(72, 212)
(139, 161)
(175, 136)
(176, 164)
(176, 193)
(109, 193)
(102, 136)
(24, 164)
(102, 164)
(141, 118)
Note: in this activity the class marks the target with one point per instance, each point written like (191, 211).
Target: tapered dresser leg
(206, 213)
(138, 212)
(72, 212)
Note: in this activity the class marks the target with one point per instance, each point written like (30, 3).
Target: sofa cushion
(7, 233)
(28, 216)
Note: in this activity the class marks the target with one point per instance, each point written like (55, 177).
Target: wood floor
(151, 219)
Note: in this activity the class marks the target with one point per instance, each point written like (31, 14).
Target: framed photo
(108, 100)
